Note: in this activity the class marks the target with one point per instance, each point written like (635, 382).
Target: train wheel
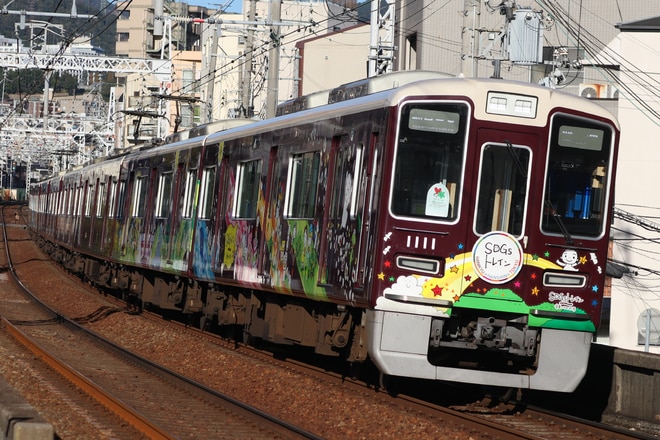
(354, 370)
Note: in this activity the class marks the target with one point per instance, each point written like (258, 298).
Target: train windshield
(576, 181)
(429, 161)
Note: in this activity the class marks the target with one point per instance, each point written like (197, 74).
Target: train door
(87, 195)
(502, 190)
(99, 214)
(271, 229)
(340, 268)
(147, 230)
(162, 218)
(109, 224)
(175, 212)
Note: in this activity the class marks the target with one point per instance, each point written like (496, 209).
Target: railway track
(471, 421)
(150, 399)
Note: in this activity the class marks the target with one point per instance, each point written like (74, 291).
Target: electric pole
(273, 59)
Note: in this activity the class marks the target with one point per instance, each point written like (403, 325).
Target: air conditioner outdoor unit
(597, 91)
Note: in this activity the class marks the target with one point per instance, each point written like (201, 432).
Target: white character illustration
(568, 260)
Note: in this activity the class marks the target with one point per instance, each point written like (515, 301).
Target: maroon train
(445, 228)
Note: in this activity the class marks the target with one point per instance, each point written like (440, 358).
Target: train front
(490, 254)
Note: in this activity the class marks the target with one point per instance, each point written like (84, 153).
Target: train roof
(387, 93)
(380, 92)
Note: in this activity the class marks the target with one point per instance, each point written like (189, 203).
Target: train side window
(79, 200)
(206, 194)
(189, 193)
(113, 198)
(139, 197)
(89, 200)
(164, 198)
(503, 184)
(67, 207)
(346, 180)
(100, 203)
(302, 183)
(72, 200)
(121, 196)
(248, 177)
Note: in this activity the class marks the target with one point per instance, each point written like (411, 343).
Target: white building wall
(334, 59)
(636, 192)
(300, 21)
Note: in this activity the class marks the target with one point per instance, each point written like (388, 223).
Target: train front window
(576, 178)
(503, 183)
(429, 161)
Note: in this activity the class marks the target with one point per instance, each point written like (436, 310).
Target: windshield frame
(403, 133)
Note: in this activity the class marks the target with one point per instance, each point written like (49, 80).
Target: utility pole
(381, 47)
(273, 59)
(246, 71)
(212, 55)
(470, 38)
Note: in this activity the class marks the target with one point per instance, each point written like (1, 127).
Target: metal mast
(381, 48)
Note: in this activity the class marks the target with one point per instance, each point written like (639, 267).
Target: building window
(123, 36)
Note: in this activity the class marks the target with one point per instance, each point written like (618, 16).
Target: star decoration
(546, 254)
(517, 284)
(454, 269)
(533, 276)
(535, 291)
(381, 276)
(583, 260)
(468, 278)
(391, 279)
(437, 290)
(594, 288)
(594, 302)
(535, 257)
(460, 246)
(452, 255)
(387, 264)
(456, 298)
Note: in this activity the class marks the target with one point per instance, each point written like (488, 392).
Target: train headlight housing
(416, 264)
(563, 279)
(510, 104)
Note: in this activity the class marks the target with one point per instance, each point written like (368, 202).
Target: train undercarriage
(329, 329)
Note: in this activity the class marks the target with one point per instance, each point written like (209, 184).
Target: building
(635, 304)
(321, 60)
(251, 48)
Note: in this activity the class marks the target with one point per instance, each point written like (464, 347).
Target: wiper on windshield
(552, 210)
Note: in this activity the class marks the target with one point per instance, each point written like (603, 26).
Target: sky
(232, 5)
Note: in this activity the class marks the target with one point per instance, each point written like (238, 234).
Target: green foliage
(31, 82)
(101, 29)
